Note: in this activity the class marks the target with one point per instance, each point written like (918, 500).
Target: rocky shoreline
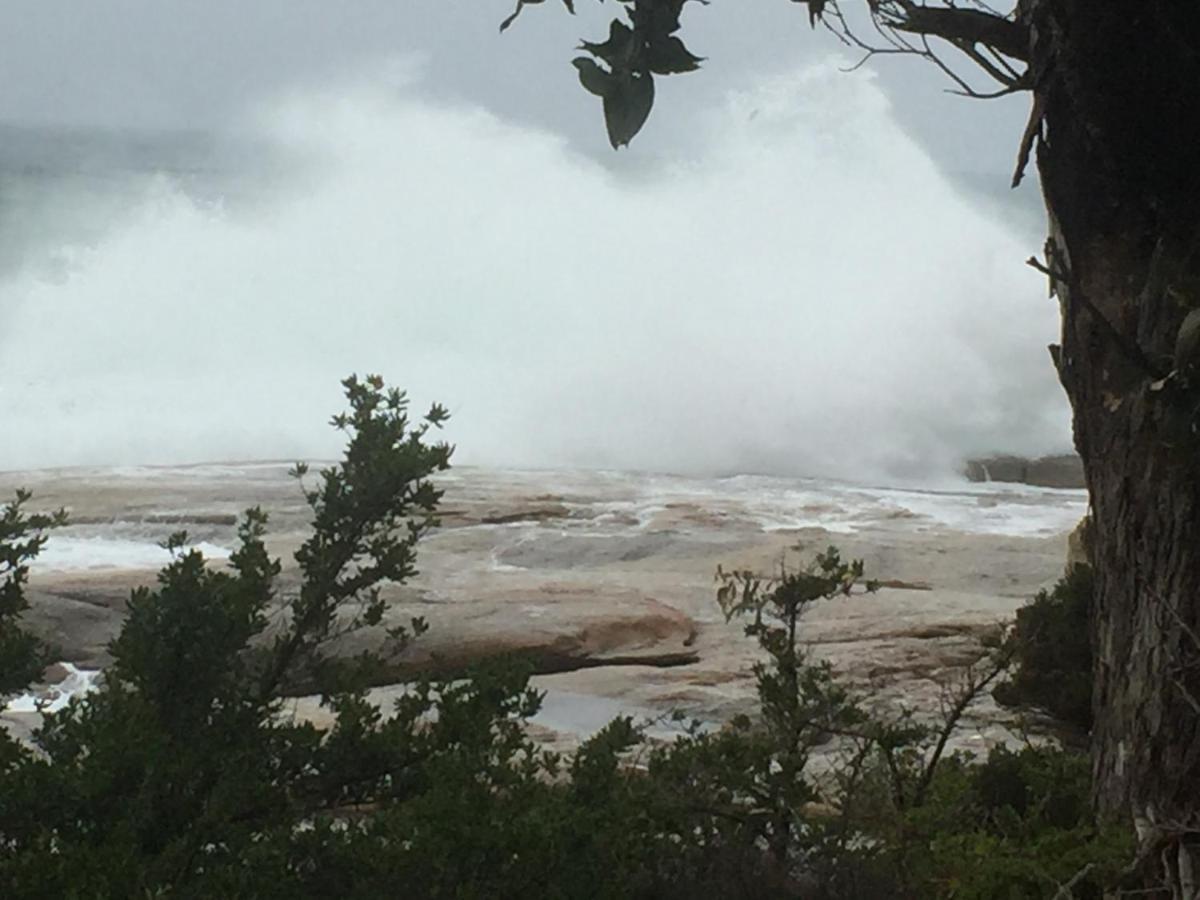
(603, 581)
(1064, 470)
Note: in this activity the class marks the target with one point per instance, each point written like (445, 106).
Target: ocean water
(142, 505)
(75, 554)
(76, 683)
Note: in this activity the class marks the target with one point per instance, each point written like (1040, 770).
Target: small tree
(802, 705)
(22, 537)
(182, 765)
(890, 812)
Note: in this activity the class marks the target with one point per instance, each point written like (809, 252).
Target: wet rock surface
(603, 580)
(1064, 470)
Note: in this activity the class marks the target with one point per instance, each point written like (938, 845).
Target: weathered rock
(55, 673)
(78, 613)
(554, 627)
(604, 581)
(1059, 471)
(20, 725)
(557, 628)
(537, 513)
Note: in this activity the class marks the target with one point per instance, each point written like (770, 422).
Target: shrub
(21, 538)
(898, 816)
(181, 766)
(1053, 652)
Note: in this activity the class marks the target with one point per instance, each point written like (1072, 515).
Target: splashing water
(799, 291)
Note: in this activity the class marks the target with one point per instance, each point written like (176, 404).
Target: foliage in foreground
(21, 537)
(184, 776)
(1053, 652)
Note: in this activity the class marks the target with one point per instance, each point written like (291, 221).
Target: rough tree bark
(1117, 89)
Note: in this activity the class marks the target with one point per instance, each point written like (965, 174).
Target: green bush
(898, 817)
(21, 537)
(1053, 652)
(181, 765)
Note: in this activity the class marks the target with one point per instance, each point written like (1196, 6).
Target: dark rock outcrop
(1061, 471)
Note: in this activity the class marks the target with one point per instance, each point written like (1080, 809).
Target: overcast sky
(199, 63)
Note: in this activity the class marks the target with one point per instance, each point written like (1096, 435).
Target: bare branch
(983, 62)
(1034, 263)
(1015, 88)
(1032, 129)
(868, 56)
(955, 25)
(1187, 695)
(1067, 891)
(1187, 629)
(950, 73)
(990, 41)
(1002, 61)
(972, 687)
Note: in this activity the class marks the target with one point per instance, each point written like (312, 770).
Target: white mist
(799, 292)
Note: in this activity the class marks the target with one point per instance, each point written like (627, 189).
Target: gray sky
(195, 63)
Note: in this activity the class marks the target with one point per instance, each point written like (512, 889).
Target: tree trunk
(1117, 86)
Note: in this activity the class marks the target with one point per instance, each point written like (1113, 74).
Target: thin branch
(973, 26)
(950, 73)
(1066, 891)
(991, 41)
(1187, 695)
(1034, 263)
(1032, 129)
(890, 35)
(1014, 88)
(970, 692)
(1187, 629)
(879, 51)
(983, 62)
(991, 10)
(1002, 61)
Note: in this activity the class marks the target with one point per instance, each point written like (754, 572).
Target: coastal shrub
(182, 765)
(22, 536)
(1053, 653)
(895, 814)
(1015, 824)
(183, 775)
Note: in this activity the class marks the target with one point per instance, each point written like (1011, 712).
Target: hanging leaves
(521, 4)
(628, 97)
(594, 79)
(671, 57)
(620, 70)
(817, 7)
(628, 61)
(626, 110)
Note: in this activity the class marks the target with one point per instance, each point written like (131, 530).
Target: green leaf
(594, 79)
(627, 108)
(621, 49)
(669, 56)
